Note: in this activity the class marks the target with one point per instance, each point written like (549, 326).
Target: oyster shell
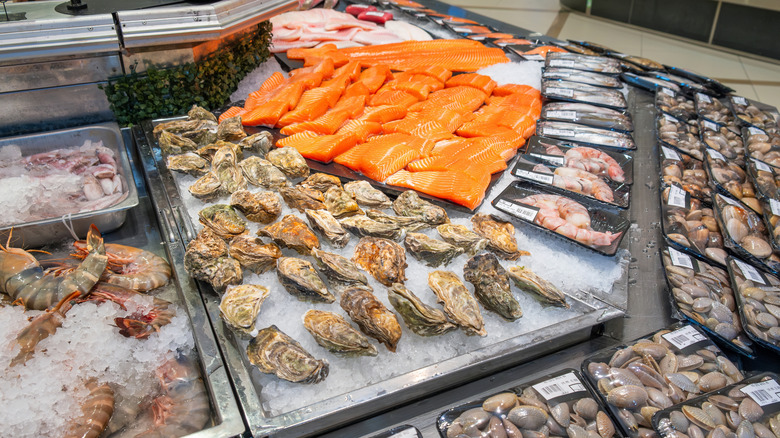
(231, 129)
(409, 223)
(273, 352)
(189, 162)
(491, 286)
(201, 132)
(301, 198)
(253, 254)
(259, 143)
(199, 113)
(206, 259)
(338, 269)
(260, 172)
(241, 304)
(409, 203)
(341, 203)
(171, 143)
(371, 316)
(224, 164)
(223, 220)
(321, 182)
(207, 187)
(208, 151)
(291, 232)
(500, 234)
(382, 258)
(289, 161)
(301, 280)
(542, 289)
(363, 226)
(419, 317)
(461, 236)
(324, 223)
(459, 306)
(366, 195)
(263, 207)
(333, 332)
(430, 251)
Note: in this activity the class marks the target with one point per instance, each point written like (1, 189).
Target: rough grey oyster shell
(409, 203)
(324, 223)
(273, 352)
(289, 161)
(231, 129)
(171, 144)
(340, 203)
(459, 305)
(333, 332)
(241, 304)
(339, 270)
(461, 236)
(259, 143)
(409, 223)
(302, 199)
(491, 286)
(363, 226)
(500, 234)
(208, 151)
(263, 207)
(371, 316)
(206, 259)
(200, 113)
(223, 220)
(321, 182)
(260, 172)
(190, 163)
(430, 251)
(225, 165)
(291, 232)
(366, 195)
(301, 280)
(528, 281)
(202, 132)
(382, 258)
(253, 254)
(207, 187)
(418, 316)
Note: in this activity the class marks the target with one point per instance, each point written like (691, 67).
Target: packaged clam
(729, 178)
(758, 302)
(575, 92)
(702, 294)
(613, 166)
(561, 402)
(679, 134)
(690, 226)
(583, 222)
(655, 372)
(771, 215)
(722, 139)
(744, 233)
(687, 172)
(598, 64)
(674, 103)
(764, 178)
(762, 145)
(712, 109)
(590, 115)
(752, 113)
(590, 78)
(750, 408)
(586, 134)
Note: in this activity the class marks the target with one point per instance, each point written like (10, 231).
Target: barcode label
(670, 154)
(565, 92)
(561, 63)
(676, 197)
(764, 393)
(750, 272)
(774, 205)
(716, 155)
(558, 132)
(525, 213)
(541, 177)
(684, 337)
(552, 159)
(709, 125)
(760, 165)
(739, 100)
(704, 98)
(558, 386)
(755, 131)
(680, 259)
(566, 115)
(667, 91)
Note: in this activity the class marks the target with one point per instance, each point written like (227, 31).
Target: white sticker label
(680, 259)
(764, 393)
(565, 92)
(670, 154)
(462, 30)
(755, 131)
(760, 165)
(739, 100)
(558, 386)
(704, 98)
(409, 432)
(554, 159)
(684, 337)
(716, 155)
(524, 213)
(676, 197)
(749, 272)
(774, 205)
(558, 132)
(667, 91)
(709, 125)
(565, 115)
(534, 57)
(541, 177)
(561, 63)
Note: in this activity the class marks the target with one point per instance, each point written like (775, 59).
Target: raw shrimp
(131, 267)
(584, 182)
(40, 328)
(567, 217)
(140, 324)
(96, 410)
(594, 161)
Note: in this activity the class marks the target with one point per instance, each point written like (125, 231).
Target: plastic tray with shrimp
(590, 78)
(674, 103)
(567, 91)
(609, 164)
(586, 134)
(756, 293)
(590, 115)
(564, 214)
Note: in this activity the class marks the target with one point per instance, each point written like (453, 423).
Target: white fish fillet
(407, 31)
(278, 46)
(340, 44)
(374, 37)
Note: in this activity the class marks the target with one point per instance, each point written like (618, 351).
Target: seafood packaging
(560, 401)
(589, 78)
(716, 87)
(590, 115)
(762, 145)
(758, 302)
(574, 47)
(756, 114)
(771, 214)
(574, 61)
(611, 165)
(744, 232)
(690, 226)
(702, 293)
(644, 63)
(745, 409)
(582, 93)
(533, 51)
(549, 209)
(648, 83)
(405, 431)
(657, 371)
(722, 139)
(712, 109)
(687, 86)
(674, 103)
(689, 173)
(585, 134)
(681, 135)
(764, 178)
(731, 179)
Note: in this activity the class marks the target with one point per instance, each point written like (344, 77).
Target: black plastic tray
(590, 136)
(590, 78)
(583, 93)
(686, 204)
(538, 148)
(665, 93)
(735, 269)
(689, 128)
(717, 87)
(583, 62)
(737, 105)
(590, 115)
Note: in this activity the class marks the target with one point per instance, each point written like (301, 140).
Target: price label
(534, 57)
(565, 115)
(462, 30)
(541, 177)
(565, 92)
(774, 205)
(526, 213)
(552, 159)
(680, 259)
(667, 91)
(684, 337)
(764, 393)
(676, 197)
(703, 98)
(755, 131)
(670, 154)
(739, 100)
(375, 13)
(709, 125)
(558, 132)
(760, 165)
(559, 386)
(750, 272)
(561, 63)
(716, 155)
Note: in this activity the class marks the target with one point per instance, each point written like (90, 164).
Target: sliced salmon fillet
(356, 89)
(417, 89)
(508, 41)
(435, 71)
(350, 69)
(362, 129)
(392, 97)
(269, 113)
(473, 29)
(460, 99)
(480, 129)
(231, 112)
(507, 89)
(504, 145)
(442, 162)
(260, 96)
(544, 50)
(319, 147)
(381, 156)
(496, 35)
(315, 102)
(331, 121)
(383, 113)
(300, 53)
(375, 76)
(481, 82)
(451, 185)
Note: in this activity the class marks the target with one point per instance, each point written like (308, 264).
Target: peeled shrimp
(569, 218)
(131, 267)
(594, 161)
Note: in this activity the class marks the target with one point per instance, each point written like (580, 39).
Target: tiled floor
(752, 78)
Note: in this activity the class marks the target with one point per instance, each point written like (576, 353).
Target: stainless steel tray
(38, 233)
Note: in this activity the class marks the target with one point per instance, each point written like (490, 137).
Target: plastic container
(589, 115)
(689, 226)
(712, 109)
(575, 92)
(590, 78)
(405, 431)
(585, 134)
(720, 138)
(728, 178)
(689, 173)
(765, 179)
(609, 164)
(643, 63)
(753, 113)
(758, 296)
(681, 135)
(575, 61)
(762, 145)
(648, 83)
(676, 104)
(717, 87)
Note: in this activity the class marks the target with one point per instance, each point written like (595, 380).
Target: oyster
(224, 164)
(259, 143)
(260, 172)
(419, 317)
(207, 259)
(201, 132)
(321, 182)
(363, 226)
(174, 144)
(189, 162)
(199, 113)
(409, 223)
(231, 129)
(289, 161)
(253, 254)
(273, 352)
(365, 194)
(301, 198)
(501, 236)
(327, 225)
(338, 269)
(430, 251)
(491, 286)
(371, 316)
(208, 151)
(301, 280)
(207, 187)
(461, 236)
(263, 207)
(333, 332)
(291, 232)
(240, 306)
(409, 203)
(459, 306)
(223, 220)
(382, 258)
(528, 281)
(341, 203)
